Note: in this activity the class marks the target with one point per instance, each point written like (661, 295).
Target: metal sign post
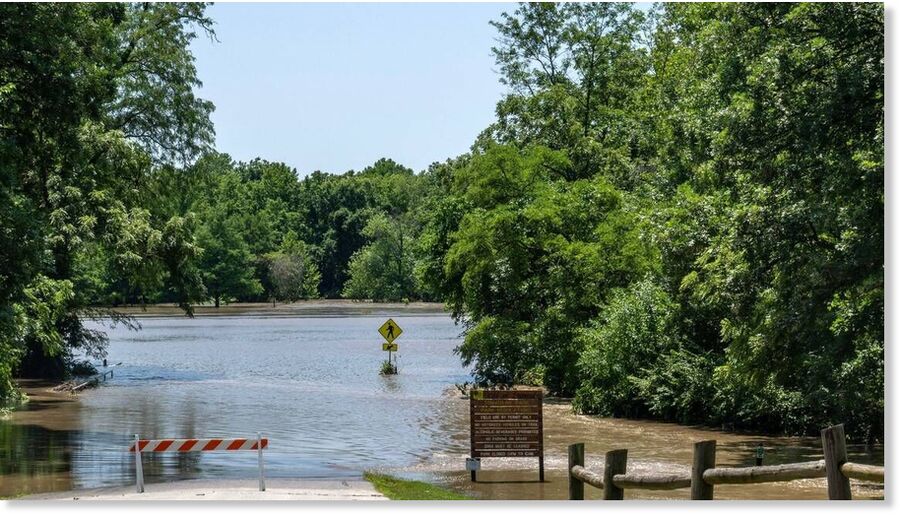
(473, 466)
(390, 331)
(390, 347)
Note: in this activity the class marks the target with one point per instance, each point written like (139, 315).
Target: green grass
(388, 368)
(399, 489)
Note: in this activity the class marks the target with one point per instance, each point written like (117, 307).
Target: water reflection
(311, 385)
(33, 458)
(390, 383)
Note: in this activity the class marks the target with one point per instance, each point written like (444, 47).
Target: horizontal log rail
(863, 472)
(705, 475)
(765, 474)
(651, 481)
(587, 476)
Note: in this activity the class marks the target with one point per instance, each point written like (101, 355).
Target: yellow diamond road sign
(389, 330)
(390, 346)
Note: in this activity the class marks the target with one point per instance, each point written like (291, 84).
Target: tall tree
(92, 96)
(573, 70)
(292, 274)
(533, 259)
(793, 117)
(227, 264)
(383, 269)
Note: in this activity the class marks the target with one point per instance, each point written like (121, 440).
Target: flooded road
(311, 385)
(652, 447)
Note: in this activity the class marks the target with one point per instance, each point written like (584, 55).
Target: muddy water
(652, 447)
(310, 384)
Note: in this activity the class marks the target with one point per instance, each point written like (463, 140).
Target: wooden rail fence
(705, 475)
(93, 380)
(96, 379)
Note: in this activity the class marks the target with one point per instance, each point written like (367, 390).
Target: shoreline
(308, 308)
(350, 489)
(501, 476)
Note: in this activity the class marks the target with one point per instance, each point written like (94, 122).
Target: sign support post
(473, 465)
(390, 331)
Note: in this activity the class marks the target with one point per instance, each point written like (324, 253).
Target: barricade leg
(138, 467)
(259, 448)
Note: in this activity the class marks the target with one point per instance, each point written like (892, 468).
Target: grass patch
(398, 489)
(388, 368)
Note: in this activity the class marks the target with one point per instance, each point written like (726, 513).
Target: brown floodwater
(652, 447)
(309, 383)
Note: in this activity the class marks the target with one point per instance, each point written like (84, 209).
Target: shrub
(83, 368)
(678, 386)
(388, 368)
(633, 331)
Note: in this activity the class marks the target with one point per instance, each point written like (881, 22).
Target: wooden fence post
(616, 461)
(704, 459)
(576, 458)
(834, 445)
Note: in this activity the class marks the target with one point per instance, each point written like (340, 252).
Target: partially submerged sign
(507, 424)
(389, 330)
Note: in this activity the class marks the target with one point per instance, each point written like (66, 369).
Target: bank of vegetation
(677, 213)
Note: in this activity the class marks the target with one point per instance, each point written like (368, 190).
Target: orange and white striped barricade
(196, 445)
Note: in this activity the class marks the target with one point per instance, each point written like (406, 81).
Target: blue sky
(334, 87)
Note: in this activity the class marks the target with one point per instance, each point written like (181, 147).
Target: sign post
(390, 331)
(506, 424)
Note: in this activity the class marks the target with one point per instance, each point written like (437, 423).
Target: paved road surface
(276, 489)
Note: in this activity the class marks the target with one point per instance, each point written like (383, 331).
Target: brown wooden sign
(507, 424)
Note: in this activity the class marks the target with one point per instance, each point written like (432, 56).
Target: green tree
(792, 120)
(632, 333)
(292, 273)
(574, 70)
(535, 255)
(227, 263)
(104, 95)
(335, 209)
(740, 149)
(383, 269)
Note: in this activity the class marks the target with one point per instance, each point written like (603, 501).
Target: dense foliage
(92, 98)
(678, 213)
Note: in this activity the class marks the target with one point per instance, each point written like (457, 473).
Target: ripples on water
(309, 384)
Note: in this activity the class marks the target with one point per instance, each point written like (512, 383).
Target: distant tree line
(677, 214)
(269, 236)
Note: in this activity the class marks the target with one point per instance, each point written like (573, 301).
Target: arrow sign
(389, 330)
(389, 346)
